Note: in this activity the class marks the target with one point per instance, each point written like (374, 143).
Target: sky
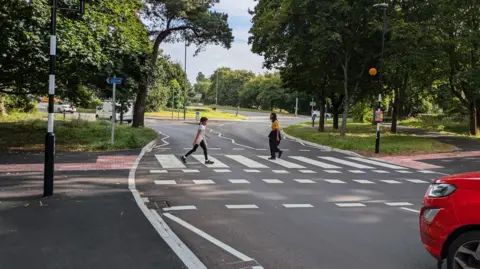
(213, 57)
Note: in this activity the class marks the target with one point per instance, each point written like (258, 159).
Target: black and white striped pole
(49, 168)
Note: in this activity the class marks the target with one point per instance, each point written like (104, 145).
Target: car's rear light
(429, 214)
(441, 190)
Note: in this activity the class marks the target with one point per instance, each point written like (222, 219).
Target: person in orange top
(275, 137)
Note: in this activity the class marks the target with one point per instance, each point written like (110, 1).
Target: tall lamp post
(185, 90)
(380, 81)
(49, 167)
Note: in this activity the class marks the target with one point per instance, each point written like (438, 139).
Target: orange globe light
(372, 72)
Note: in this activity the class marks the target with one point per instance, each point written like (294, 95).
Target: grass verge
(436, 124)
(248, 109)
(361, 138)
(27, 132)
(191, 114)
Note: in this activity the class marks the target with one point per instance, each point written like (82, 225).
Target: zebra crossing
(258, 163)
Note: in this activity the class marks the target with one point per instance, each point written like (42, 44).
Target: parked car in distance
(104, 111)
(62, 107)
(450, 221)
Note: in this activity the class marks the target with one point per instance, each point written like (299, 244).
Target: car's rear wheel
(464, 252)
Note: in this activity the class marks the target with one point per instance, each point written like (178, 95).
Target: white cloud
(235, 7)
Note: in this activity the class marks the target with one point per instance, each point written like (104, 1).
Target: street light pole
(380, 78)
(185, 91)
(49, 166)
(216, 92)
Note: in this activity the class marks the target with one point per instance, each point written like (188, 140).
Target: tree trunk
(335, 109)
(3, 111)
(343, 130)
(472, 118)
(321, 125)
(396, 107)
(477, 114)
(139, 108)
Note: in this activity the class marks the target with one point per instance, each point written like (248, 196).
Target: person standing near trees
(314, 116)
(274, 137)
(200, 140)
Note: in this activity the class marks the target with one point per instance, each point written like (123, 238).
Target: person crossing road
(200, 140)
(274, 137)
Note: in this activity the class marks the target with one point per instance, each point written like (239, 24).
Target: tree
(230, 84)
(190, 20)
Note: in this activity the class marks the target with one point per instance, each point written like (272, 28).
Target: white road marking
(246, 161)
(399, 204)
(158, 171)
(161, 227)
(417, 181)
(305, 181)
(187, 148)
(203, 182)
(191, 171)
(209, 238)
(145, 200)
(332, 171)
(257, 267)
(239, 181)
(409, 209)
(241, 206)
(426, 172)
(362, 181)
(272, 181)
(356, 171)
(307, 171)
(297, 205)
(165, 182)
(222, 171)
(377, 163)
(216, 164)
(261, 149)
(280, 171)
(251, 170)
(335, 181)
(215, 148)
(347, 163)
(390, 181)
(169, 161)
(305, 150)
(381, 171)
(350, 205)
(314, 162)
(403, 171)
(284, 163)
(180, 208)
(238, 149)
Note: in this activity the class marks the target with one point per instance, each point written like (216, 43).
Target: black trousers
(273, 147)
(204, 147)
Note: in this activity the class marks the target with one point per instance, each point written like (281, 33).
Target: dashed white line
(261, 149)
(305, 150)
(335, 181)
(239, 181)
(305, 181)
(165, 182)
(238, 149)
(332, 171)
(362, 181)
(222, 171)
(251, 170)
(377, 163)
(403, 171)
(417, 181)
(426, 172)
(399, 204)
(409, 209)
(180, 208)
(307, 171)
(347, 163)
(241, 206)
(390, 181)
(297, 205)
(280, 171)
(204, 182)
(356, 171)
(350, 205)
(381, 171)
(272, 181)
(191, 171)
(158, 171)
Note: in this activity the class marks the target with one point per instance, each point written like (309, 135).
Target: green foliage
(230, 83)
(361, 112)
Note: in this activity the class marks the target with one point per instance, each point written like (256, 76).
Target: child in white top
(200, 140)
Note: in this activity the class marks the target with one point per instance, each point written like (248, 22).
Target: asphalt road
(312, 209)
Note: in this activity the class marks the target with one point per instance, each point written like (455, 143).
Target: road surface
(311, 209)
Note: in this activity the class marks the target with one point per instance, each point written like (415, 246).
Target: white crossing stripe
(362, 181)
(314, 162)
(203, 182)
(222, 170)
(238, 149)
(307, 171)
(356, 171)
(246, 161)
(297, 205)
(305, 181)
(403, 171)
(261, 149)
(241, 206)
(215, 148)
(389, 181)
(350, 205)
(239, 181)
(216, 164)
(280, 171)
(169, 161)
(377, 163)
(284, 163)
(417, 181)
(347, 163)
(426, 172)
(165, 182)
(272, 181)
(305, 150)
(158, 171)
(191, 171)
(332, 171)
(251, 170)
(399, 204)
(381, 171)
(180, 208)
(335, 181)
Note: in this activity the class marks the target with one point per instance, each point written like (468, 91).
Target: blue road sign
(115, 81)
(197, 113)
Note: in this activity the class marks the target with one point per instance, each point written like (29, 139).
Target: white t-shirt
(201, 137)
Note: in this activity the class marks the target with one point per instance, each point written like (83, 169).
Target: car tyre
(461, 241)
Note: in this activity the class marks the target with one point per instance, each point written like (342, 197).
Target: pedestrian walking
(274, 138)
(314, 116)
(200, 140)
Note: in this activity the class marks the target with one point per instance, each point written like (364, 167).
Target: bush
(361, 113)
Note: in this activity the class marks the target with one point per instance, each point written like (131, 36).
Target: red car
(450, 221)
